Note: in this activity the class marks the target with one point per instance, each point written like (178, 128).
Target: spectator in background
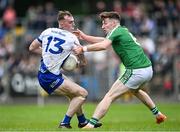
(167, 84)
(89, 25)
(136, 21)
(129, 8)
(117, 6)
(148, 27)
(100, 6)
(161, 16)
(31, 17)
(2, 64)
(148, 45)
(4, 4)
(173, 16)
(35, 17)
(50, 14)
(9, 17)
(41, 18)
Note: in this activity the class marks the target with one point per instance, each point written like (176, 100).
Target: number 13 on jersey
(54, 45)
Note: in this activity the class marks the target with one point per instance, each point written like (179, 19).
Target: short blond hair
(61, 15)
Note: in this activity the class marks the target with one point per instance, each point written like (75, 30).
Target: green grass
(120, 117)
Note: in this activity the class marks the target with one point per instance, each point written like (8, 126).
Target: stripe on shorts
(126, 76)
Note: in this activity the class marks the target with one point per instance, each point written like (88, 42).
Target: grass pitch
(120, 117)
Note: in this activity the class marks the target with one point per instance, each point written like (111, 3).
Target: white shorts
(134, 78)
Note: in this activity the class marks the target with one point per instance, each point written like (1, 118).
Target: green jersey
(128, 49)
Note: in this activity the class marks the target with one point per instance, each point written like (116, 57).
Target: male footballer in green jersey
(138, 66)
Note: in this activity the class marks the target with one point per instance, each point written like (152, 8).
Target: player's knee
(135, 92)
(84, 93)
(109, 97)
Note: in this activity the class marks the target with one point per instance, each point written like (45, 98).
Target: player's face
(67, 23)
(108, 25)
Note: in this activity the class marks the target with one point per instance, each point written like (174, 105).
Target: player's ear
(114, 22)
(61, 24)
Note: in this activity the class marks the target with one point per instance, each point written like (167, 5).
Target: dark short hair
(111, 15)
(61, 15)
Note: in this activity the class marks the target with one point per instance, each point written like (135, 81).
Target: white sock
(90, 125)
(158, 113)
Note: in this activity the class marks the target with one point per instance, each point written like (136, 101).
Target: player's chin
(106, 32)
(72, 29)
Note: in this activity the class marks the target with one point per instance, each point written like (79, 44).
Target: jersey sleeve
(76, 41)
(40, 38)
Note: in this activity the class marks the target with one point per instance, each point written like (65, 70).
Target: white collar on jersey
(113, 30)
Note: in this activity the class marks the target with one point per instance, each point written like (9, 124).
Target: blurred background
(155, 23)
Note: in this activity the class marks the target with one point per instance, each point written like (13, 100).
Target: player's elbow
(104, 47)
(105, 44)
(31, 48)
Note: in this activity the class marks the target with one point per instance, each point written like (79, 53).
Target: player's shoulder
(121, 30)
(61, 31)
(46, 31)
(53, 30)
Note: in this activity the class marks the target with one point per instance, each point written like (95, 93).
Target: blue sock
(66, 119)
(81, 118)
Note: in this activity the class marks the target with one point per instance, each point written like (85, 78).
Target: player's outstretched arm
(90, 39)
(35, 47)
(93, 47)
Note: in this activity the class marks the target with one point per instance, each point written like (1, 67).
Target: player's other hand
(78, 50)
(79, 34)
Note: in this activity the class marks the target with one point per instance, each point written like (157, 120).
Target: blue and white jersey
(57, 44)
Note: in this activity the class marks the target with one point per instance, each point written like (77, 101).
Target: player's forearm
(38, 51)
(94, 47)
(35, 48)
(92, 39)
(98, 46)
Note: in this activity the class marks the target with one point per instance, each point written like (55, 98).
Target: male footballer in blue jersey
(55, 45)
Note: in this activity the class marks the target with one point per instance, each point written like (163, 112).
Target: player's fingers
(75, 51)
(76, 44)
